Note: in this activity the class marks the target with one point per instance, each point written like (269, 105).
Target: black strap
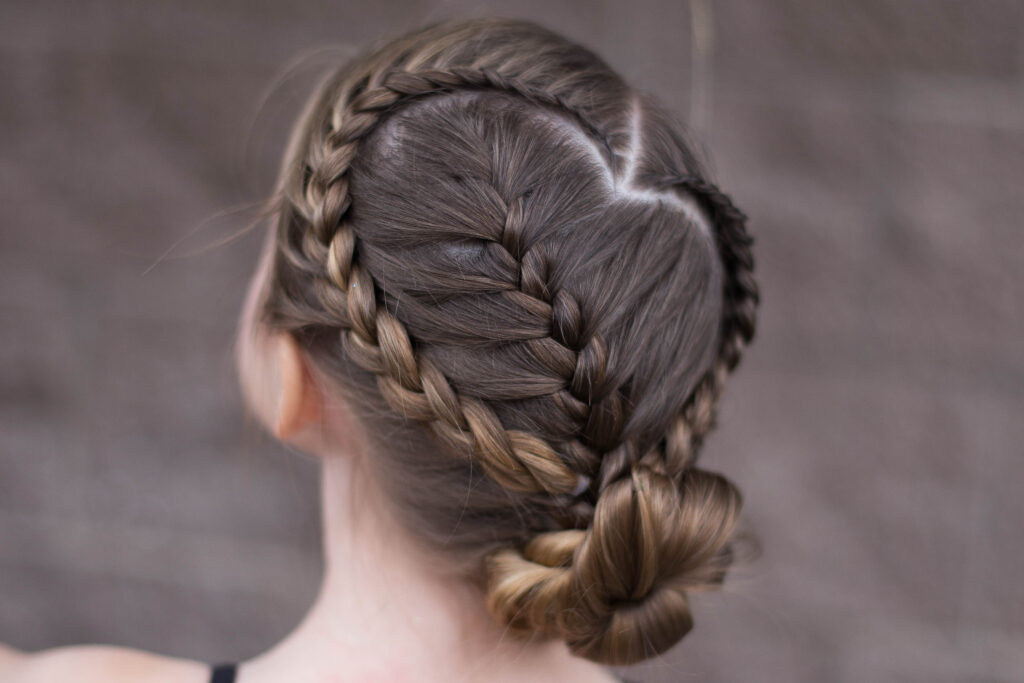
(223, 673)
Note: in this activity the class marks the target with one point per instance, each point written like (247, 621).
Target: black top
(225, 673)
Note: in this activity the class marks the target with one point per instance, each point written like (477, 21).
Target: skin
(387, 609)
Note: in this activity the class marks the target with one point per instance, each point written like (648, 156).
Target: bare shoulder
(97, 663)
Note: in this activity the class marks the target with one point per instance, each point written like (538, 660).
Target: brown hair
(513, 264)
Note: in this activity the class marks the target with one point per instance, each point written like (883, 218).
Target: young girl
(498, 301)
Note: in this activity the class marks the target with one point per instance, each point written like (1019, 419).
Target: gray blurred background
(875, 426)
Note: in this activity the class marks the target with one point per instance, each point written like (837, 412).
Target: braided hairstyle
(513, 264)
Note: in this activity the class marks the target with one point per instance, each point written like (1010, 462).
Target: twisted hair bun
(485, 232)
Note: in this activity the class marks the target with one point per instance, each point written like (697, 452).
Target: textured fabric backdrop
(875, 426)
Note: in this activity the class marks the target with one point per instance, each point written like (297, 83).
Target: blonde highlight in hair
(513, 261)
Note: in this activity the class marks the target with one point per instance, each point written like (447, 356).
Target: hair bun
(617, 591)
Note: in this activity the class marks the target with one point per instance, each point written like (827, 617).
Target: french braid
(614, 596)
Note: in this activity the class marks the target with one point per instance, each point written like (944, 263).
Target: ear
(299, 404)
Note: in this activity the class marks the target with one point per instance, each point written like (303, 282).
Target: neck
(386, 611)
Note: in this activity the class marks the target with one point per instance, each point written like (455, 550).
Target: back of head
(513, 264)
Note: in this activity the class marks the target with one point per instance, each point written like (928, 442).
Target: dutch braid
(562, 581)
(378, 341)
